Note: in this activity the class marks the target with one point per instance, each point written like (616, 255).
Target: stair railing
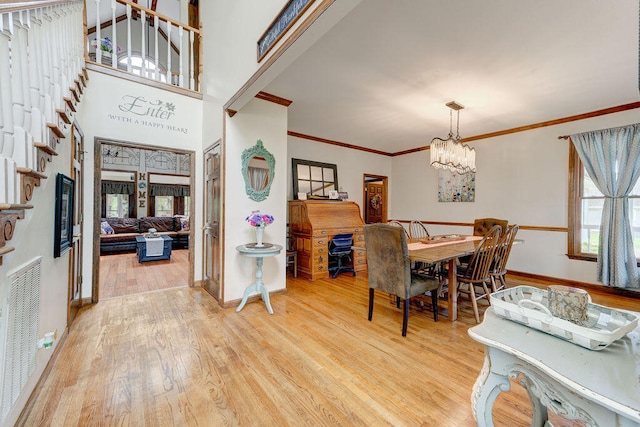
(162, 49)
(42, 78)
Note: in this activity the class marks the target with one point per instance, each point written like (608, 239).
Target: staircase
(42, 80)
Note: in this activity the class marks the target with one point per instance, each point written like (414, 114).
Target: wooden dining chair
(417, 230)
(481, 226)
(399, 224)
(390, 270)
(474, 276)
(498, 270)
(291, 255)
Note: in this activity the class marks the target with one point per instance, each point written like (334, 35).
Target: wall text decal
(137, 110)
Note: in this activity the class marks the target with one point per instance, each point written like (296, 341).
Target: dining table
(440, 249)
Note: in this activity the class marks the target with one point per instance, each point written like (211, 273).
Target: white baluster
(37, 77)
(98, 35)
(181, 59)
(143, 52)
(6, 92)
(129, 69)
(114, 32)
(18, 74)
(169, 77)
(155, 27)
(9, 189)
(192, 82)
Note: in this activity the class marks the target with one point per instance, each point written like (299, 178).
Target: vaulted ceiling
(381, 77)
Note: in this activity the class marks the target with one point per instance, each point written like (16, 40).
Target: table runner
(155, 246)
(419, 245)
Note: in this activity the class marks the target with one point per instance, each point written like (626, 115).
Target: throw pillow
(184, 223)
(105, 228)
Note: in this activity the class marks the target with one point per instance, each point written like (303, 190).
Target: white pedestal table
(252, 251)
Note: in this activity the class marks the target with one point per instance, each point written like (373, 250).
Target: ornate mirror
(258, 169)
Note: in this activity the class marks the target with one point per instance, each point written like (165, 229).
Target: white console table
(258, 253)
(601, 388)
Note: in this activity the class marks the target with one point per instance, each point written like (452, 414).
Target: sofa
(118, 235)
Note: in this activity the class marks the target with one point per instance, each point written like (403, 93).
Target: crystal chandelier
(451, 154)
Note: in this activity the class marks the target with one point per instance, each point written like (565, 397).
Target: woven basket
(530, 306)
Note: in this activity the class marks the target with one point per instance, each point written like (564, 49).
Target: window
(187, 205)
(164, 206)
(585, 212)
(314, 178)
(149, 66)
(117, 205)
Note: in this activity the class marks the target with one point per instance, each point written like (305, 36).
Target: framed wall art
(454, 187)
(63, 226)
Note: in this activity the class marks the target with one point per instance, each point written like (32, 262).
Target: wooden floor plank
(175, 357)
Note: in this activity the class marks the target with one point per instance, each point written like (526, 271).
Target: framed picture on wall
(63, 226)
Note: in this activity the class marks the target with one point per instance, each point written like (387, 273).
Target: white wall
(522, 177)
(33, 237)
(352, 165)
(104, 114)
(265, 121)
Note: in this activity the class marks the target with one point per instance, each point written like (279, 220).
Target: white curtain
(258, 178)
(612, 160)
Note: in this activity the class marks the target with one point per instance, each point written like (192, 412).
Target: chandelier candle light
(451, 154)
(259, 222)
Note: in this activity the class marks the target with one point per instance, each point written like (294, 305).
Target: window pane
(590, 233)
(303, 172)
(316, 173)
(164, 206)
(589, 188)
(328, 175)
(187, 205)
(317, 188)
(636, 189)
(117, 205)
(304, 186)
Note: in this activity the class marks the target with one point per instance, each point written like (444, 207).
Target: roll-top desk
(313, 223)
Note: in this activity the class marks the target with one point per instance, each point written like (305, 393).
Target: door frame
(97, 190)
(385, 189)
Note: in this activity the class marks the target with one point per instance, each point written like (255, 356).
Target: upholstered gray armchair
(390, 269)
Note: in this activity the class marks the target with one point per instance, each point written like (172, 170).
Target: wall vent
(19, 308)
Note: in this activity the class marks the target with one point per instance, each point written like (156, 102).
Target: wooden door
(75, 256)
(211, 230)
(375, 200)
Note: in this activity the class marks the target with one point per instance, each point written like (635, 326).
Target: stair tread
(16, 206)
(31, 172)
(5, 250)
(45, 148)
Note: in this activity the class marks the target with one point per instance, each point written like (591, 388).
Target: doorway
(125, 179)
(74, 300)
(211, 229)
(375, 198)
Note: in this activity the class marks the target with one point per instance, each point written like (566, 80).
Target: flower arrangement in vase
(105, 45)
(259, 222)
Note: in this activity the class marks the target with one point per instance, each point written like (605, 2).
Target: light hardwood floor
(176, 358)
(122, 274)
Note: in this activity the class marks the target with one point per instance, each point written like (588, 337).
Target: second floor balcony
(146, 39)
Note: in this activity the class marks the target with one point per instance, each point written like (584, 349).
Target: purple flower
(256, 219)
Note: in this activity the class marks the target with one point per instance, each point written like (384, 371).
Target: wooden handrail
(32, 4)
(159, 15)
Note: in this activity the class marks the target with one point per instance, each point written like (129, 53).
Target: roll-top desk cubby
(313, 223)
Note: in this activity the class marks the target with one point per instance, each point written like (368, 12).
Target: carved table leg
(487, 387)
(257, 287)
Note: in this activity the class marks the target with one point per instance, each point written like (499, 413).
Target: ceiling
(381, 77)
